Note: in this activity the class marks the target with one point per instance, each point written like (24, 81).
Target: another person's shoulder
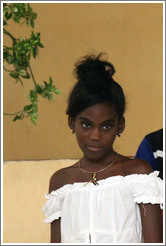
(155, 137)
(156, 133)
(62, 177)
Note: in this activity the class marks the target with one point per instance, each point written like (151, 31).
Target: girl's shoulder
(62, 177)
(134, 166)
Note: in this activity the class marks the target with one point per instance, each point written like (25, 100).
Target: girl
(105, 197)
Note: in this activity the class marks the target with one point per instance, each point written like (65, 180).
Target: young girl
(105, 197)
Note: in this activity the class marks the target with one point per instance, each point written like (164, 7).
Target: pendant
(93, 180)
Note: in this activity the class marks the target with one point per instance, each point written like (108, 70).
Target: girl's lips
(93, 148)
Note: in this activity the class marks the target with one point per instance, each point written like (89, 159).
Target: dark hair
(95, 85)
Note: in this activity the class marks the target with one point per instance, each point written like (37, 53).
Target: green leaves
(46, 91)
(19, 56)
(14, 74)
(24, 73)
(19, 117)
(28, 107)
(32, 109)
(33, 95)
(19, 12)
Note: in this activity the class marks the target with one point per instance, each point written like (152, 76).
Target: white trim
(158, 153)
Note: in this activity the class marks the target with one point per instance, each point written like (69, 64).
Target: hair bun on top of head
(94, 85)
(91, 70)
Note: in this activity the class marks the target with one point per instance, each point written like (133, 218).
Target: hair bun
(94, 85)
(92, 70)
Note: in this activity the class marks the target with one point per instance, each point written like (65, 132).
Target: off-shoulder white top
(104, 213)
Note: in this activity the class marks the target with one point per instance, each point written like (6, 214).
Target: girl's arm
(55, 232)
(152, 226)
(55, 183)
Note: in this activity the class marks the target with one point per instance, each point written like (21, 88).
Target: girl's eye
(106, 127)
(86, 125)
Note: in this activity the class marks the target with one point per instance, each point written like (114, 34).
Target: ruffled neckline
(102, 182)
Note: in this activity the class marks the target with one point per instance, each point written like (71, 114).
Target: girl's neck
(94, 164)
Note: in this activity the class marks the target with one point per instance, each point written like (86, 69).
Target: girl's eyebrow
(83, 118)
(108, 121)
(104, 122)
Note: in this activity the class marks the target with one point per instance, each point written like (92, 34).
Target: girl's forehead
(103, 111)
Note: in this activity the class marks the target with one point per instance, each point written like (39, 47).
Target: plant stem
(13, 113)
(9, 34)
(9, 70)
(33, 78)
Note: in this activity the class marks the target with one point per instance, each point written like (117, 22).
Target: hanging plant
(18, 57)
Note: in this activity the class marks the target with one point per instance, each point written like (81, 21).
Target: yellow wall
(131, 35)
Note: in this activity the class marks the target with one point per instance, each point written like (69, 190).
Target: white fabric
(105, 213)
(158, 153)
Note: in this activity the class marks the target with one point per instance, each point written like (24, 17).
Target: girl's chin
(94, 156)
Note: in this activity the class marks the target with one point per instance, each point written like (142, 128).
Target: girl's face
(96, 128)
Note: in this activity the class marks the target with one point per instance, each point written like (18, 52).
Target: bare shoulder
(140, 166)
(134, 166)
(62, 176)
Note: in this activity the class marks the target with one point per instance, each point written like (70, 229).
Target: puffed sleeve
(52, 209)
(148, 188)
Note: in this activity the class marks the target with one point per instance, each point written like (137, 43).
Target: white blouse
(104, 213)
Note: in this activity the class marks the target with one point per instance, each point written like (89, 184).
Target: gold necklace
(93, 178)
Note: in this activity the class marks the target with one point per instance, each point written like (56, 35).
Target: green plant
(17, 57)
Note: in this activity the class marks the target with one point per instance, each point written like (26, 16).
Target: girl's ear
(121, 126)
(71, 123)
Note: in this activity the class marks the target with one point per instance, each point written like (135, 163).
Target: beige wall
(131, 35)
(24, 187)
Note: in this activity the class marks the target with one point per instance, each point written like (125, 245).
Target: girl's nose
(95, 134)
